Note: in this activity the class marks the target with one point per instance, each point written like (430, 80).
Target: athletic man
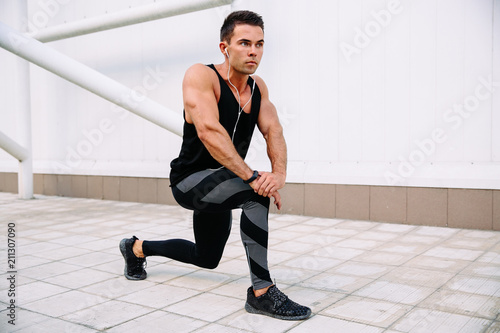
(222, 105)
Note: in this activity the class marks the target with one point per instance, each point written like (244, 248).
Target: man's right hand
(257, 186)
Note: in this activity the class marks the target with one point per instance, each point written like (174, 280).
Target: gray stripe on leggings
(192, 180)
(225, 190)
(258, 251)
(257, 214)
(257, 282)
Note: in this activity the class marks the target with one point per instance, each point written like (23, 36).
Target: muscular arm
(271, 129)
(201, 109)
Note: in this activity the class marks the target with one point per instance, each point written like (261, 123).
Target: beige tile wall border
(459, 208)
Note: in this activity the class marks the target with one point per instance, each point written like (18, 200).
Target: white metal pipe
(237, 5)
(22, 100)
(23, 112)
(154, 11)
(13, 148)
(88, 78)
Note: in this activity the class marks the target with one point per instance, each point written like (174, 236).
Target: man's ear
(223, 48)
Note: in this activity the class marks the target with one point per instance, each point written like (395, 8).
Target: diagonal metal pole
(154, 11)
(13, 148)
(88, 78)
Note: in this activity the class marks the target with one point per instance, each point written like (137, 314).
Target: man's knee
(209, 263)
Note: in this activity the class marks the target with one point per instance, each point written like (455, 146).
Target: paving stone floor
(357, 276)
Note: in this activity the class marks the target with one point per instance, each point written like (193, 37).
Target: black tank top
(194, 156)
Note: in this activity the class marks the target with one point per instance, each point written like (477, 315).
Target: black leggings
(212, 194)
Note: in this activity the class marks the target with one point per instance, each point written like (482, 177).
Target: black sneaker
(275, 304)
(134, 266)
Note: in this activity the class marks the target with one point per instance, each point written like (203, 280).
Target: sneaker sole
(124, 254)
(251, 309)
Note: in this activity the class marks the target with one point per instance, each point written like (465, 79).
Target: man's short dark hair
(239, 17)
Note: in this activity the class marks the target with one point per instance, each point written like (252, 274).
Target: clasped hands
(268, 184)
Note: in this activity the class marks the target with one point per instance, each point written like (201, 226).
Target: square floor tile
(236, 289)
(384, 258)
(371, 271)
(424, 320)
(475, 285)
(341, 253)
(393, 227)
(361, 244)
(201, 280)
(395, 292)
(436, 231)
(374, 312)
(377, 235)
(418, 277)
(33, 322)
(336, 282)
(37, 290)
(159, 296)
(463, 303)
(290, 275)
(490, 257)
(109, 314)
(482, 269)
(453, 253)
(159, 320)
(62, 253)
(242, 320)
(81, 278)
(315, 299)
(216, 328)
(117, 287)
(403, 248)
(333, 325)
(94, 258)
(432, 263)
(208, 307)
(64, 303)
(418, 239)
(49, 270)
(313, 263)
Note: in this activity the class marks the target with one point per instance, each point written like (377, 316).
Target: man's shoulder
(199, 73)
(261, 84)
(199, 69)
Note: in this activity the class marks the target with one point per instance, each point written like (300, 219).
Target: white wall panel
(360, 92)
(376, 19)
(423, 112)
(478, 63)
(350, 79)
(288, 96)
(495, 126)
(450, 75)
(328, 89)
(309, 84)
(397, 84)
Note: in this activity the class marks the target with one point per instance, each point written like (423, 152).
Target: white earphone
(238, 94)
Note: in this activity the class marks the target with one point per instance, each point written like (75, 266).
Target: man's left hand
(267, 183)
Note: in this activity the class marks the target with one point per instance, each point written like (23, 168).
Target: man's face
(246, 48)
